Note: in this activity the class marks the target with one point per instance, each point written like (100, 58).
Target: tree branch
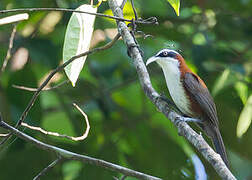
(148, 21)
(184, 129)
(8, 55)
(50, 166)
(74, 156)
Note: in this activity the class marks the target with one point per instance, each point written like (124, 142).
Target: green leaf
(221, 82)
(199, 39)
(242, 90)
(58, 122)
(71, 170)
(245, 118)
(128, 13)
(77, 40)
(175, 4)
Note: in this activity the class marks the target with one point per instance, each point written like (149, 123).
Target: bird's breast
(177, 90)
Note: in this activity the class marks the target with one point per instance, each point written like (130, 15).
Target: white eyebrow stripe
(169, 50)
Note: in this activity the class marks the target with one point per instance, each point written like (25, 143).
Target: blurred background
(126, 129)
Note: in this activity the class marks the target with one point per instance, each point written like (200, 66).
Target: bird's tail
(219, 145)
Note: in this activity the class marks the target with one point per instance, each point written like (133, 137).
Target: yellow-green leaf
(99, 3)
(242, 91)
(128, 12)
(175, 4)
(221, 82)
(245, 118)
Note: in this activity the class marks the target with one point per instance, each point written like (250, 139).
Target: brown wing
(200, 93)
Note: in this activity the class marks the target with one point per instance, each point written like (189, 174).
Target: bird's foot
(200, 133)
(186, 119)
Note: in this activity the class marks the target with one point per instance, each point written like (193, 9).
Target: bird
(191, 95)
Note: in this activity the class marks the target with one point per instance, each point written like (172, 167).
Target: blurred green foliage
(214, 37)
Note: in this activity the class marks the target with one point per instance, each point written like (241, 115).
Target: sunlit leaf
(242, 90)
(71, 170)
(99, 3)
(175, 4)
(221, 82)
(199, 39)
(77, 40)
(192, 66)
(128, 12)
(50, 21)
(245, 118)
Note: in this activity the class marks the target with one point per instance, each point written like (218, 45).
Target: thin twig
(74, 156)
(123, 177)
(72, 10)
(85, 134)
(44, 89)
(59, 68)
(123, 4)
(8, 55)
(87, 123)
(134, 9)
(4, 135)
(49, 167)
(13, 19)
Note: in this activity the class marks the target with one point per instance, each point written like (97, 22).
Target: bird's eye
(165, 53)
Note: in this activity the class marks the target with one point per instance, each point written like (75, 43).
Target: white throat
(172, 74)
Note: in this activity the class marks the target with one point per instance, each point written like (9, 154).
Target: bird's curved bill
(150, 60)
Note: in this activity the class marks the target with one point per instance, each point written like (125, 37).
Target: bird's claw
(186, 119)
(178, 120)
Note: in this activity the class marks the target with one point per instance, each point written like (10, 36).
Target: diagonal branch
(184, 129)
(8, 55)
(50, 166)
(74, 156)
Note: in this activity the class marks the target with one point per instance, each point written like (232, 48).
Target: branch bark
(74, 156)
(184, 129)
(45, 170)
